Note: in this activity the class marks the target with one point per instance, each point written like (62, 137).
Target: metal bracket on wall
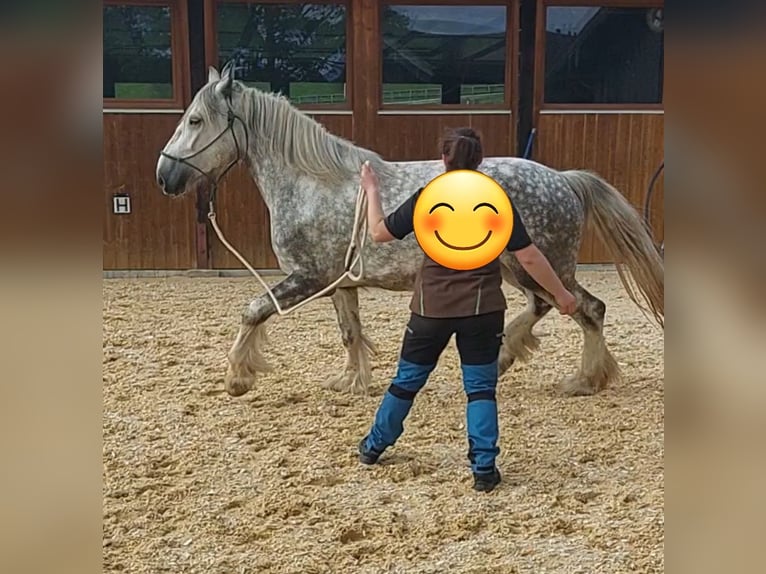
(530, 144)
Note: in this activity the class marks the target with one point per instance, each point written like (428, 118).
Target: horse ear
(213, 75)
(226, 82)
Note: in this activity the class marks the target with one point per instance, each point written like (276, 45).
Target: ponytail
(462, 149)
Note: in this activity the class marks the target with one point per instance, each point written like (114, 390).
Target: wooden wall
(416, 137)
(624, 148)
(159, 233)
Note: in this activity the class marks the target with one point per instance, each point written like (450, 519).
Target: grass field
(316, 92)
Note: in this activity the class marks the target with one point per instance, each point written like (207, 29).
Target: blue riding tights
(478, 341)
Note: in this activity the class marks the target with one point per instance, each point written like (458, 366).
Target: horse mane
(302, 142)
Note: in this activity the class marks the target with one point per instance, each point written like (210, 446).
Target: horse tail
(625, 234)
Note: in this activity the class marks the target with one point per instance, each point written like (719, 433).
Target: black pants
(478, 341)
(478, 338)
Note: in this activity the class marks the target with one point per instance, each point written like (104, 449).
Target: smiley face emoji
(463, 219)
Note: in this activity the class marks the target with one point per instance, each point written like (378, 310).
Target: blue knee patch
(410, 377)
(479, 378)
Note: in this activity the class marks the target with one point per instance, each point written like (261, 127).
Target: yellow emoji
(463, 219)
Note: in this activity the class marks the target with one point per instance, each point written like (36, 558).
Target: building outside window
(600, 55)
(437, 55)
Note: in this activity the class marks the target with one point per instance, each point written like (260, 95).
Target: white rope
(358, 237)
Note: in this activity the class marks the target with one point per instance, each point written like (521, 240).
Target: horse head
(210, 138)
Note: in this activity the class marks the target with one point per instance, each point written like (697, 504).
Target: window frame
(179, 46)
(211, 45)
(511, 51)
(539, 76)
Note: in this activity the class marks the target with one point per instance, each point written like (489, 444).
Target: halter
(358, 233)
(213, 182)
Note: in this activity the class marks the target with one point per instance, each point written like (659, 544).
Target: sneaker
(366, 455)
(486, 482)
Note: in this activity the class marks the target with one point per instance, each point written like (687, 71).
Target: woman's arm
(538, 267)
(378, 230)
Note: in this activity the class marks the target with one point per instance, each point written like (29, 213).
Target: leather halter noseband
(231, 117)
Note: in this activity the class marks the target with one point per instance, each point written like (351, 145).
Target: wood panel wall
(624, 148)
(243, 216)
(159, 233)
(416, 137)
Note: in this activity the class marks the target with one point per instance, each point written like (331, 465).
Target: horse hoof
(505, 361)
(357, 387)
(348, 381)
(237, 386)
(575, 386)
(336, 383)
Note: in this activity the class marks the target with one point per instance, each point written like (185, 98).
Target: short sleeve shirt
(400, 224)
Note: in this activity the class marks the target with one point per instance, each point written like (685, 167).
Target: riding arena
(251, 327)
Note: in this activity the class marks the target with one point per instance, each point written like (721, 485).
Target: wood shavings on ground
(196, 481)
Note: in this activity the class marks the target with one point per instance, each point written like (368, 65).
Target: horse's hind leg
(356, 373)
(598, 368)
(519, 341)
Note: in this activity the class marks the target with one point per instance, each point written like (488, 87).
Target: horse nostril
(161, 181)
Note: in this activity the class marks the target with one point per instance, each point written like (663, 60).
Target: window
(444, 55)
(298, 50)
(139, 53)
(596, 55)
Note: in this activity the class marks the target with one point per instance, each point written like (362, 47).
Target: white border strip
(466, 112)
(581, 112)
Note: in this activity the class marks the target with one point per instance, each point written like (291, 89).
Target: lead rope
(353, 253)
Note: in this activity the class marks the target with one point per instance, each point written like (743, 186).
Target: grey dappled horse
(309, 181)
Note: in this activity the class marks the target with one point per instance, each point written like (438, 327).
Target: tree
(137, 49)
(281, 44)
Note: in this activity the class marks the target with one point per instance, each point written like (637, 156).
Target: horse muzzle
(173, 176)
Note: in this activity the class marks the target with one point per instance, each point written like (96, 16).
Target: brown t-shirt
(443, 292)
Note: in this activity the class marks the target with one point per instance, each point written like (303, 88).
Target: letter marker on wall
(121, 204)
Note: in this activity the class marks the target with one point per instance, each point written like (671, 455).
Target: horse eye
(195, 121)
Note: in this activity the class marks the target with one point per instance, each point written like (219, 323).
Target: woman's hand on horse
(369, 178)
(566, 303)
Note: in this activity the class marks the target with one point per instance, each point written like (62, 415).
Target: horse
(309, 179)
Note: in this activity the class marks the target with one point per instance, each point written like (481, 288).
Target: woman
(469, 304)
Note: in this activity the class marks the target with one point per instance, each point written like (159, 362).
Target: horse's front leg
(356, 373)
(245, 357)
